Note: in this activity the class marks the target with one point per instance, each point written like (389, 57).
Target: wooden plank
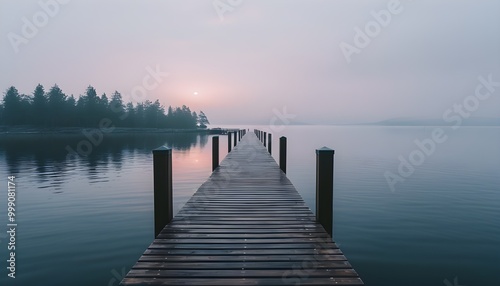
(310, 281)
(235, 258)
(232, 240)
(259, 265)
(246, 225)
(224, 273)
(192, 251)
(219, 236)
(238, 246)
(242, 231)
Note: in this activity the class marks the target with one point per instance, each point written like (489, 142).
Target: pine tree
(203, 120)
(39, 114)
(12, 107)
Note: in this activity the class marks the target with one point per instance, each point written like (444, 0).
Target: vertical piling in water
(283, 154)
(265, 135)
(215, 152)
(269, 143)
(235, 136)
(162, 185)
(229, 144)
(324, 188)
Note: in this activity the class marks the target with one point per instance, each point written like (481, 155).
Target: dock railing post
(162, 184)
(269, 143)
(283, 154)
(265, 135)
(215, 152)
(324, 188)
(235, 137)
(229, 144)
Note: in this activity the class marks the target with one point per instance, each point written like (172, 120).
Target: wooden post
(269, 143)
(265, 135)
(162, 184)
(235, 136)
(215, 152)
(283, 154)
(229, 144)
(324, 188)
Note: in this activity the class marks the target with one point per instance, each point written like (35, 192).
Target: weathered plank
(246, 225)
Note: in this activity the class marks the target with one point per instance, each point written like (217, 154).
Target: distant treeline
(56, 109)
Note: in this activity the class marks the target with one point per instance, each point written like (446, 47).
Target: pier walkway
(246, 225)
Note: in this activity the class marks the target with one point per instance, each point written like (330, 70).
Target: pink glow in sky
(263, 55)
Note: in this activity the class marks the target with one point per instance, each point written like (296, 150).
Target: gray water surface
(86, 220)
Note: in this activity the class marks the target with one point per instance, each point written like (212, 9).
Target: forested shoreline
(53, 108)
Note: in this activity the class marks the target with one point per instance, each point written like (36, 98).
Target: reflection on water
(83, 220)
(80, 217)
(48, 157)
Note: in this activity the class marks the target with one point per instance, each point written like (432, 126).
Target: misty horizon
(339, 62)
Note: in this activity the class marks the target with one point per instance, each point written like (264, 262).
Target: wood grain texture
(246, 225)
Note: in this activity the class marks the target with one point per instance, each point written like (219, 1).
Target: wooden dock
(246, 225)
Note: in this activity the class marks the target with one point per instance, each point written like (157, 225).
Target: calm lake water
(86, 220)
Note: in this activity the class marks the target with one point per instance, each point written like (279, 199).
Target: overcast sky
(238, 60)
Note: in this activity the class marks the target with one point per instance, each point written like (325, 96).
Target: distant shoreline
(30, 130)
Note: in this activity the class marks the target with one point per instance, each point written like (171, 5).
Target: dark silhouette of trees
(12, 106)
(56, 105)
(16, 108)
(203, 120)
(56, 109)
(117, 109)
(39, 112)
